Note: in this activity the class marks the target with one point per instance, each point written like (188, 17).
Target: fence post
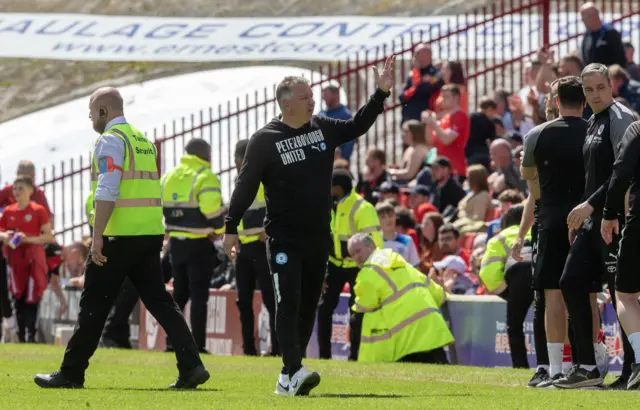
(158, 144)
(546, 29)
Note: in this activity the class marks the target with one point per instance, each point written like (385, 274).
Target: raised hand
(385, 80)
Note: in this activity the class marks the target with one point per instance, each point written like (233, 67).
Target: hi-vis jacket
(498, 256)
(252, 223)
(352, 215)
(191, 199)
(401, 309)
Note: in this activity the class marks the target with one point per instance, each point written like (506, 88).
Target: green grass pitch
(119, 379)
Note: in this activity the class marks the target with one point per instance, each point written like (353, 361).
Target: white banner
(126, 38)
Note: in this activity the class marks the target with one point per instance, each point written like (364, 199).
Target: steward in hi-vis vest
(351, 214)
(127, 241)
(194, 215)
(401, 306)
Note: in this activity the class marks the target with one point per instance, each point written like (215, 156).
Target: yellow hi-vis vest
(191, 199)
(498, 255)
(401, 309)
(138, 210)
(90, 209)
(252, 223)
(352, 215)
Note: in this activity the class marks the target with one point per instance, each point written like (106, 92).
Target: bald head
(105, 104)
(500, 152)
(422, 55)
(591, 16)
(200, 148)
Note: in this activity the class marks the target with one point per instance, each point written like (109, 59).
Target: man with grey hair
(586, 264)
(293, 158)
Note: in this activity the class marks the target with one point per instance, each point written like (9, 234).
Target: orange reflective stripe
(126, 140)
(137, 202)
(171, 204)
(364, 309)
(140, 175)
(204, 231)
(384, 276)
(203, 190)
(215, 214)
(352, 215)
(389, 333)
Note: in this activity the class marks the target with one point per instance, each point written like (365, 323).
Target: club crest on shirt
(28, 217)
(282, 258)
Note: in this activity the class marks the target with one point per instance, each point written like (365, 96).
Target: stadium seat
(467, 240)
(492, 213)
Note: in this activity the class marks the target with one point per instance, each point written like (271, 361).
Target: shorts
(585, 267)
(628, 274)
(553, 248)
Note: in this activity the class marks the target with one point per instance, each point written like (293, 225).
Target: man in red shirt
(26, 259)
(451, 132)
(25, 168)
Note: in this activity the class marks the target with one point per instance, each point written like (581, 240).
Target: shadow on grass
(153, 389)
(381, 396)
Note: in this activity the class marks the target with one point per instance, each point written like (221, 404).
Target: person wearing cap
(450, 273)
(351, 215)
(389, 191)
(401, 307)
(448, 191)
(334, 109)
(511, 280)
(419, 201)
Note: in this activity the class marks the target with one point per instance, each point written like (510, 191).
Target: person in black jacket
(423, 82)
(293, 158)
(601, 43)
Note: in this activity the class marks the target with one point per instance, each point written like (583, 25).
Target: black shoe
(634, 379)
(56, 380)
(192, 379)
(169, 349)
(203, 351)
(540, 376)
(619, 384)
(578, 377)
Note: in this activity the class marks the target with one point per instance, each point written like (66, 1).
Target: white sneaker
(602, 359)
(303, 382)
(9, 330)
(282, 386)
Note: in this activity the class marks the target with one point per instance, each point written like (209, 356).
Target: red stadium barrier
(483, 75)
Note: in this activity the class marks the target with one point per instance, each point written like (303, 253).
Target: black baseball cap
(419, 190)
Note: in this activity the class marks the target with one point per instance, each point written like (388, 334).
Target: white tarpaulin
(127, 38)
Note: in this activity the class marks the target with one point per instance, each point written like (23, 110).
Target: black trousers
(435, 356)
(519, 296)
(26, 316)
(192, 265)
(298, 268)
(135, 257)
(583, 273)
(116, 331)
(335, 279)
(251, 268)
(539, 330)
(5, 300)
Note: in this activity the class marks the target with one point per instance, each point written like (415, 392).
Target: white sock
(634, 339)
(566, 366)
(543, 367)
(588, 367)
(555, 358)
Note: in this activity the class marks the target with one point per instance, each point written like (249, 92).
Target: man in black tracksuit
(293, 158)
(585, 267)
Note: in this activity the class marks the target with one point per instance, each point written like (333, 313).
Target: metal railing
(493, 43)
